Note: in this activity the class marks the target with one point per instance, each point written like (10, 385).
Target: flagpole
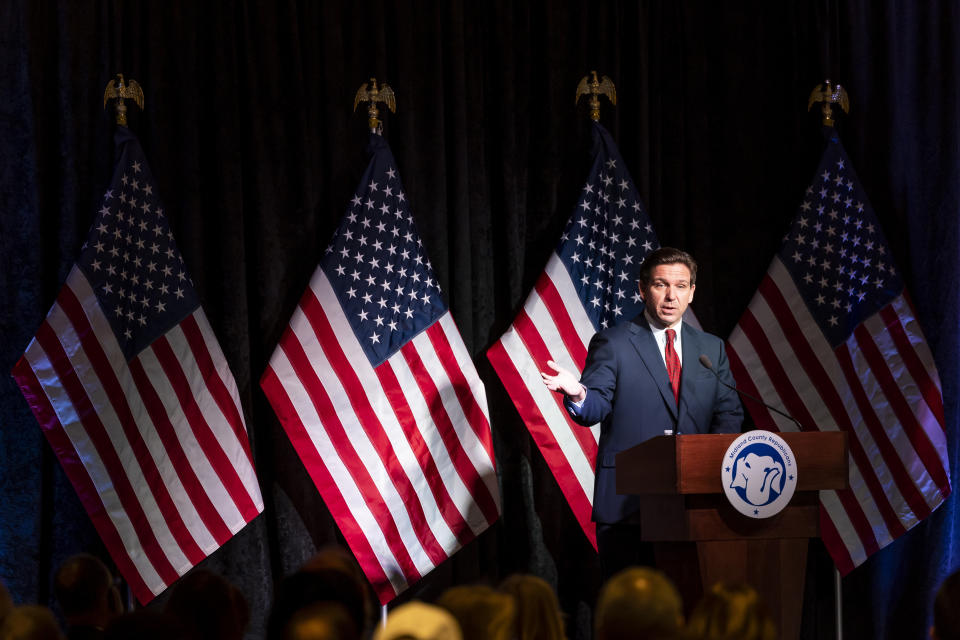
(118, 89)
(827, 94)
(838, 602)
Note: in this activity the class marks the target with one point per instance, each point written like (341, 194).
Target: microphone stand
(708, 365)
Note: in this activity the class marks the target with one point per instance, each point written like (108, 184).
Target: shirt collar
(659, 333)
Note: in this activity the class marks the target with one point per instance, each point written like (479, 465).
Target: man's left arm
(727, 409)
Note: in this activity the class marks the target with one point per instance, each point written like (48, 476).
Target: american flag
(379, 396)
(131, 389)
(589, 283)
(832, 336)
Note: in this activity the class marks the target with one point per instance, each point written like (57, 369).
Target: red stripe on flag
(561, 319)
(468, 402)
(762, 418)
(201, 430)
(920, 374)
(347, 453)
(97, 434)
(770, 362)
(795, 407)
(79, 477)
(901, 475)
(324, 482)
(118, 399)
(833, 541)
(421, 451)
(543, 436)
(914, 430)
(461, 462)
(214, 383)
(178, 458)
(537, 348)
(370, 422)
(820, 379)
(804, 354)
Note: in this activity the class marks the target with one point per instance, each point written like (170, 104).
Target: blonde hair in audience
(538, 611)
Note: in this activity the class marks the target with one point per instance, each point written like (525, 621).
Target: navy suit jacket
(629, 394)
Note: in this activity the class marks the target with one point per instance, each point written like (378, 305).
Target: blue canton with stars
(836, 252)
(607, 238)
(130, 258)
(377, 265)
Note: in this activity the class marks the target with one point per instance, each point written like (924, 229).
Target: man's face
(668, 293)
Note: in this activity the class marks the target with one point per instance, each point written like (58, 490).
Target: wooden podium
(700, 539)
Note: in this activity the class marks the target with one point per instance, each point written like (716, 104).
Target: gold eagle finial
(119, 91)
(596, 88)
(373, 94)
(829, 93)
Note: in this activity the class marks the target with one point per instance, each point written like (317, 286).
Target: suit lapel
(691, 367)
(646, 346)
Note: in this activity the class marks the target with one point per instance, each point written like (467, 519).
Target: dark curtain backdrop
(249, 130)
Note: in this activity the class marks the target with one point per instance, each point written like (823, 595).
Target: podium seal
(759, 474)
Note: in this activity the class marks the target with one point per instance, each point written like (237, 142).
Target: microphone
(705, 361)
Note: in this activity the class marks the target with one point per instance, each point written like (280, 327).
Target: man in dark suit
(643, 379)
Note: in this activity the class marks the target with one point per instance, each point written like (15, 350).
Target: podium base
(776, 568)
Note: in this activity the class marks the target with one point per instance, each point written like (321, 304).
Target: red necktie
(673, 364)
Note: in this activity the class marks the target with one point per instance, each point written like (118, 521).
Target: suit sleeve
(727, 410)
(600, 378)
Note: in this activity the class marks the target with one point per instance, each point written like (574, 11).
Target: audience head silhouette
(29, 622)
(329, 577)
(321, 621)
(419, 621)
(86, 593)
(638, 604)
(731, 611)
(538, 611)
(208, 607)
(483, 613)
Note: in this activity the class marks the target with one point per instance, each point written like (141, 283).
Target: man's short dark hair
(946, 609)
(667, 255)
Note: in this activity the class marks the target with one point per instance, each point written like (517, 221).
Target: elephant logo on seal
(759, 474)
(758, 478)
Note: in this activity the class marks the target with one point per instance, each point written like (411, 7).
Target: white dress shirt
(660, 335)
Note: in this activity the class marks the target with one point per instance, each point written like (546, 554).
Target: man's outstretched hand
(564, 381)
